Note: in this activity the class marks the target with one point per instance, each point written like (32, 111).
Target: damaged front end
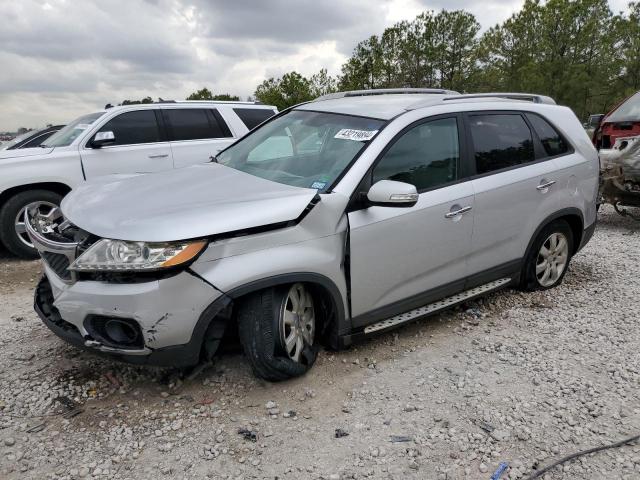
(167, 320)
(620, 175)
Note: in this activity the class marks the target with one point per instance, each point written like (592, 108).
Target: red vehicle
(617, 139)
(622, 121)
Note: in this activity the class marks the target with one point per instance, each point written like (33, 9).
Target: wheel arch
(57, 187)
(318, 282)
(572, 216)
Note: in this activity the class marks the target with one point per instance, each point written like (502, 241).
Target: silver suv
(335, 220)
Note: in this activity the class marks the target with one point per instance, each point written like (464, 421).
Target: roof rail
(530, 97)
(386, 91)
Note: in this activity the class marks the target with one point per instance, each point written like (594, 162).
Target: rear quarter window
(252, 117)
(194, 124)
(553, 143)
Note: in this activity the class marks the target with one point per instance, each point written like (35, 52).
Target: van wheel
(277, 329)
(12, 229)
(549, 257)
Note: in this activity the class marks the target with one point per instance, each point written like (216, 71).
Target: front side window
(552, 141)
(132, 128)
(66, 135)
(500, 141)
(301, 148)
(426, 156)
(192, 124)
(252, 117)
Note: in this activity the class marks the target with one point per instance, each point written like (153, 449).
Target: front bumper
(170, 354)
(170, 316)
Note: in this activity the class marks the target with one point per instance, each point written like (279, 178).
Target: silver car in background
(334, 220)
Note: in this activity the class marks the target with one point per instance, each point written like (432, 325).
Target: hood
(185, 203)
(25, 152)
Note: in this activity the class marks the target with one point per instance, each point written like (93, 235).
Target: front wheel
(548, 259)
(13, 233)
(277, 329)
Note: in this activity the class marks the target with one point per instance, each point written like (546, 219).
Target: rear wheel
(277, 329)
(549, 257)
(13, 233)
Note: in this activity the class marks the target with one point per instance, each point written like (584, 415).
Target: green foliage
(206, 94)
(291, 89)
(137, 102)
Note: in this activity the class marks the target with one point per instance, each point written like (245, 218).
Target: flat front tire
(549, 257)
(12, 229)
(277, 328)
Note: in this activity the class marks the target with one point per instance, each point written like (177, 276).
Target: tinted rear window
(500, 141)
(552, 141)
(252, 117)
(192, 124)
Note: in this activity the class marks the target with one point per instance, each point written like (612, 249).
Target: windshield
(18, 139)
(629, 111)
(66, 136)
(301, 148)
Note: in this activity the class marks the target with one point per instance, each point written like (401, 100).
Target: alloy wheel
(552, 259)
(297, 321)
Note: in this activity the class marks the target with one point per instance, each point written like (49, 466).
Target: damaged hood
(192, 202)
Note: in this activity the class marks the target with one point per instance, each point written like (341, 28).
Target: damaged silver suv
(334, 220)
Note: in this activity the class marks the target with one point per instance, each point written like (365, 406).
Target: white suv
(118, 140)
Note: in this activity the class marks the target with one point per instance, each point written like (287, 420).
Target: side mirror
(389, 193)
(102, 138)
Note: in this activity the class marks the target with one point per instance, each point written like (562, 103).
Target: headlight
(119, 255)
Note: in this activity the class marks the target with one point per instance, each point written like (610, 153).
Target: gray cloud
(62, 58)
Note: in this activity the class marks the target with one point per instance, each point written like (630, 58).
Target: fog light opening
(120, 332)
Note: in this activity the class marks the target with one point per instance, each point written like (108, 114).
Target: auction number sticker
(355, 135)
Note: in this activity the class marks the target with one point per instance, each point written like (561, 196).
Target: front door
(400, 256)
(139, 147)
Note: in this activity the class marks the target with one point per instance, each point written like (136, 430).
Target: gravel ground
(515, 377)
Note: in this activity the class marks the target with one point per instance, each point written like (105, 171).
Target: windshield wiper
(213, 159)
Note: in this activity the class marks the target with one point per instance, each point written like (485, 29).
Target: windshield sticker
(82, 126)
(355, 135)
(318, 185)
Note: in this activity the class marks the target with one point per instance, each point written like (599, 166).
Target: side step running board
(434, 307)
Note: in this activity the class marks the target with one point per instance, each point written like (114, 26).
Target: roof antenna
(107, 106)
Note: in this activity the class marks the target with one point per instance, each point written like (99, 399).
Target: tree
(322, 83)
(206, 94)
(291, 89)
(137, 102)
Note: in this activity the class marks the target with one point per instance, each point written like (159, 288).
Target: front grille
(58, 263)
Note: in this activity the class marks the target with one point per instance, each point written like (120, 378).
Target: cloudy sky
(63, 58)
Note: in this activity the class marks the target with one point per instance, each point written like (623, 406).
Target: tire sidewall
(530, 280)
(8, 236)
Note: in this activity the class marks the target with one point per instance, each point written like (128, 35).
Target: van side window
(500, 141)
(192, 124)
(426, 156)
(252, 117)
(552, 141)
(132, 128)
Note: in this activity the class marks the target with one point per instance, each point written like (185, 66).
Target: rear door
(196, 134)
(139, 147)
(400, 256)
(516, 187)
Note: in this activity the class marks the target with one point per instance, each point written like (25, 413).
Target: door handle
(455, 213)
(544, 186)
(160, 155)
